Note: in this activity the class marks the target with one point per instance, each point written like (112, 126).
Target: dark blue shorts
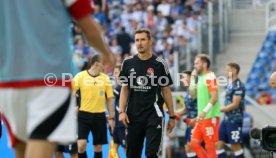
(188, 134)
(119, 136)
(71, 148)
(230, 132)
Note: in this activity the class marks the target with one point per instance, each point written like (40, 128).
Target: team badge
(150, 72)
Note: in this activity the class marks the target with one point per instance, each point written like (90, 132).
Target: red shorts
(206, 130)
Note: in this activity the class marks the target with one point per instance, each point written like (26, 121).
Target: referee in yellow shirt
(95, 91)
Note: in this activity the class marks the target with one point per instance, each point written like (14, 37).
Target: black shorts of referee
(95, 123)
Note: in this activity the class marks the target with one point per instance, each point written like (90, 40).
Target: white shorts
(45, 113)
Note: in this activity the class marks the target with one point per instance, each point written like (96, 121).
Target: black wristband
(111, 118)
(173, 117)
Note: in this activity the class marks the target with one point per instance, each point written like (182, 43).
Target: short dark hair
(188, 72)
(143, 30)
(235, 66)
(94, 59)
(204, 58)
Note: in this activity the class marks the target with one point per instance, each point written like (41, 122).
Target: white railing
(242, 4)
(271, 15)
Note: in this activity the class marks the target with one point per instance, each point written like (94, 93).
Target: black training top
(145, 79)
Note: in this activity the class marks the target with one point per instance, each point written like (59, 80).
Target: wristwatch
(173, 117)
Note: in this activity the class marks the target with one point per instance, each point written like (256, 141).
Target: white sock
(239, 152)
(191, 154)
(220, 151)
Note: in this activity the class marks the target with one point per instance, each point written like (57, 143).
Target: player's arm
(193, 85)
(123, 98)
(93, 33)
(81, 11)
(75, 83)
(167, 95)
(110, 107)
(110, 104)
(122, 104)
(214, 97)
(235, 104)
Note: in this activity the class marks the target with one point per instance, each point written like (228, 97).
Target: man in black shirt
(145, 86)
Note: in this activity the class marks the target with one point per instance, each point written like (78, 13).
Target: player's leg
(14, 114)
(122, 138)
(51, 119)
(99, 132)
(190, 153)
(84, 127)
(59, 154)
(19, 150)
(40, 148)
(154, 133)
(59, 151)
(135, 139)
(82, 148)
(72, 149)
(235, 139)
(197, 140)
(116, 139)
(74, 155)
(222, 138)
(210, 128)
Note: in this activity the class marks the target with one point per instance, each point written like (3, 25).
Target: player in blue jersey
(231, 127)
(36, 99)
(119, 134)
(191, 112)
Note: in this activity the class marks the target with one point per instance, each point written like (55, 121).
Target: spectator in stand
(264, 98)
(124, 40)
(99, 15)
(117, 50)
(126, 16)
(138, 14)
(102, 4)
(115, 11)
(150, 18)
(183, 31)
(164, 8)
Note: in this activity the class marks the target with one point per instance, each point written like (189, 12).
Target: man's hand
(170, 125)
(111, 124)
(201, 116)
(194, 73)
(124, 118)
(223, 109)
(192, 122)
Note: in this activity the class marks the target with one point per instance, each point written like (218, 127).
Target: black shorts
(71, 148)
(138, 131)
(94, 122)
(119, 136)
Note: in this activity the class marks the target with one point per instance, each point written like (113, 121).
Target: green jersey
(207, 83)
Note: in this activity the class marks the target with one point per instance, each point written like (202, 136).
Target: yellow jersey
(94, 91)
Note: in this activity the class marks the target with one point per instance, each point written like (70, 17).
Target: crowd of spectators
(173, 24)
